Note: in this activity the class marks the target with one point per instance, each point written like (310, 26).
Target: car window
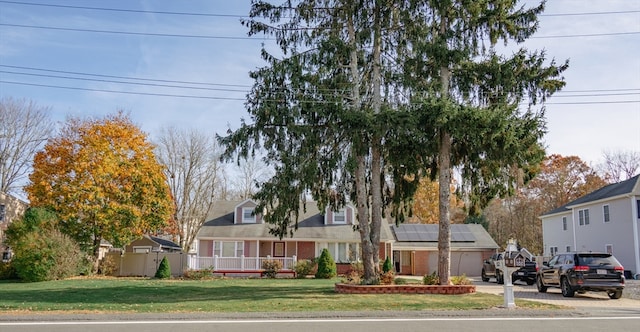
(569, 259)
(597, 260)
(553, 261)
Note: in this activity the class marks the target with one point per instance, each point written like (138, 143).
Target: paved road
(353, 325)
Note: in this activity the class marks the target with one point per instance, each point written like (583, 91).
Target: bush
(461, 280)
(198, 274)
(40, 257)
(401, 281)
(304, 268)
(7, 271)
(431, 279)
(387, 278)
(271, 268)
(164, 271)
(387, 266)
(327, 268)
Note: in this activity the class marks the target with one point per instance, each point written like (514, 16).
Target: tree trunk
(368, 260)
(444, 229)
(444, 179)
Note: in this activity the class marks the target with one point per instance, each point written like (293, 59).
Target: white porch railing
(241, 263)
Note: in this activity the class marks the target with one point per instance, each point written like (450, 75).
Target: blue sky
(598, 110)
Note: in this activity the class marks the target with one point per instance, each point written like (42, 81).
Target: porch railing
(241, 263)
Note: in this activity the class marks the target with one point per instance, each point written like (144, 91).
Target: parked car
(581, 272)
(527, 273)
(489, 269)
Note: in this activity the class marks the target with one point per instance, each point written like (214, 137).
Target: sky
(192, 71)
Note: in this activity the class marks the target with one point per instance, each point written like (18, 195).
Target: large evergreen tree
(342, 122)
(470, 96)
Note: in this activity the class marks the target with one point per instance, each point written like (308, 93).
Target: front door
(278, 249)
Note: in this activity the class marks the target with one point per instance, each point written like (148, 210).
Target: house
(415, 249)
(11, 209)
(149, 243)
(605, 220)
(235, 238)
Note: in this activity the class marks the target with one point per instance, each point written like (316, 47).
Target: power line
(125, 77)
(252, 38)
(130, 33)
(123, 10)
(121, 92)
(243, 99)
(121, 82)
(243, 16)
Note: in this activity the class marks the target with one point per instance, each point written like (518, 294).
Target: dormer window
(247, 216)
(339, 217)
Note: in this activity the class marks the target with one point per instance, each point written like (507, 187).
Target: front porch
(240, 264)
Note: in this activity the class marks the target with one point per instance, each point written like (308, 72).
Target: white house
(605, 220)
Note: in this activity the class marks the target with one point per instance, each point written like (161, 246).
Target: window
(341, 252)
(608, 248)
(142, 249)
(605, 212)
(583, 216)
(228, 248)
(247, 216)
(339, 217)
(553, 250)
(564, 223)
(2, 212)
(568, 249)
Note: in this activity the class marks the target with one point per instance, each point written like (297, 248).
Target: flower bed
(405, 289)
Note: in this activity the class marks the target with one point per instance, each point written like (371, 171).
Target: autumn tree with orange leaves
(425, 204)
(103, 180)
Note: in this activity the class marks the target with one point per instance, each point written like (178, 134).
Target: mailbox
(514, 259)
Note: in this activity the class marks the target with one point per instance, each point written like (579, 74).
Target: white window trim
(564, 223)
(606, 216)
(343, 213)
(217, 246)
(583, 217)
(248, 220)
(567, 248)
(141, 249)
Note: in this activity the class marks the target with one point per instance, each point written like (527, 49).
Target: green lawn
(220, 295)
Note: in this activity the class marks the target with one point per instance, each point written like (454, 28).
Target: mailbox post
(511, 261)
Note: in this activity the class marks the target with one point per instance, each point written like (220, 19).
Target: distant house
(11, 209)
(605, 220)
(149, 243)
(236, 238)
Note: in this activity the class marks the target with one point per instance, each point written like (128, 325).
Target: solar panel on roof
(429, 233)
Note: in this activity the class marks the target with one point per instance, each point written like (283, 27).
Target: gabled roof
(310, 226)
(426, 235)
(164, 243)
(607, 192)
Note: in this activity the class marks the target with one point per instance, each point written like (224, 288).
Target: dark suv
(581, 272)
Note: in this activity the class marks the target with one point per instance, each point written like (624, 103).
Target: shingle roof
(164, 243)
(608, 191)
(311, 226)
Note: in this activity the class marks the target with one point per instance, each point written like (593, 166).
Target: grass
(141, 295)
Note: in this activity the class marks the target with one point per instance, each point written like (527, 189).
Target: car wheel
(615, 294)
(530, 282)
(541, 287)
(567, 291)
(484, 276)
(499, 278)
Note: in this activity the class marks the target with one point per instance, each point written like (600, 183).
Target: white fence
(241, 263)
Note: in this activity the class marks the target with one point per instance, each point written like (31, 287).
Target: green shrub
(39, 257)
(461, 280)
(7, 271)
(431, 279)
(387, 266)
(327, 268)
(164, 270)
(271, 268)
(304, 268)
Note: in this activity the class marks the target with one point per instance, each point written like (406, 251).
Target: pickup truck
(526, 273)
